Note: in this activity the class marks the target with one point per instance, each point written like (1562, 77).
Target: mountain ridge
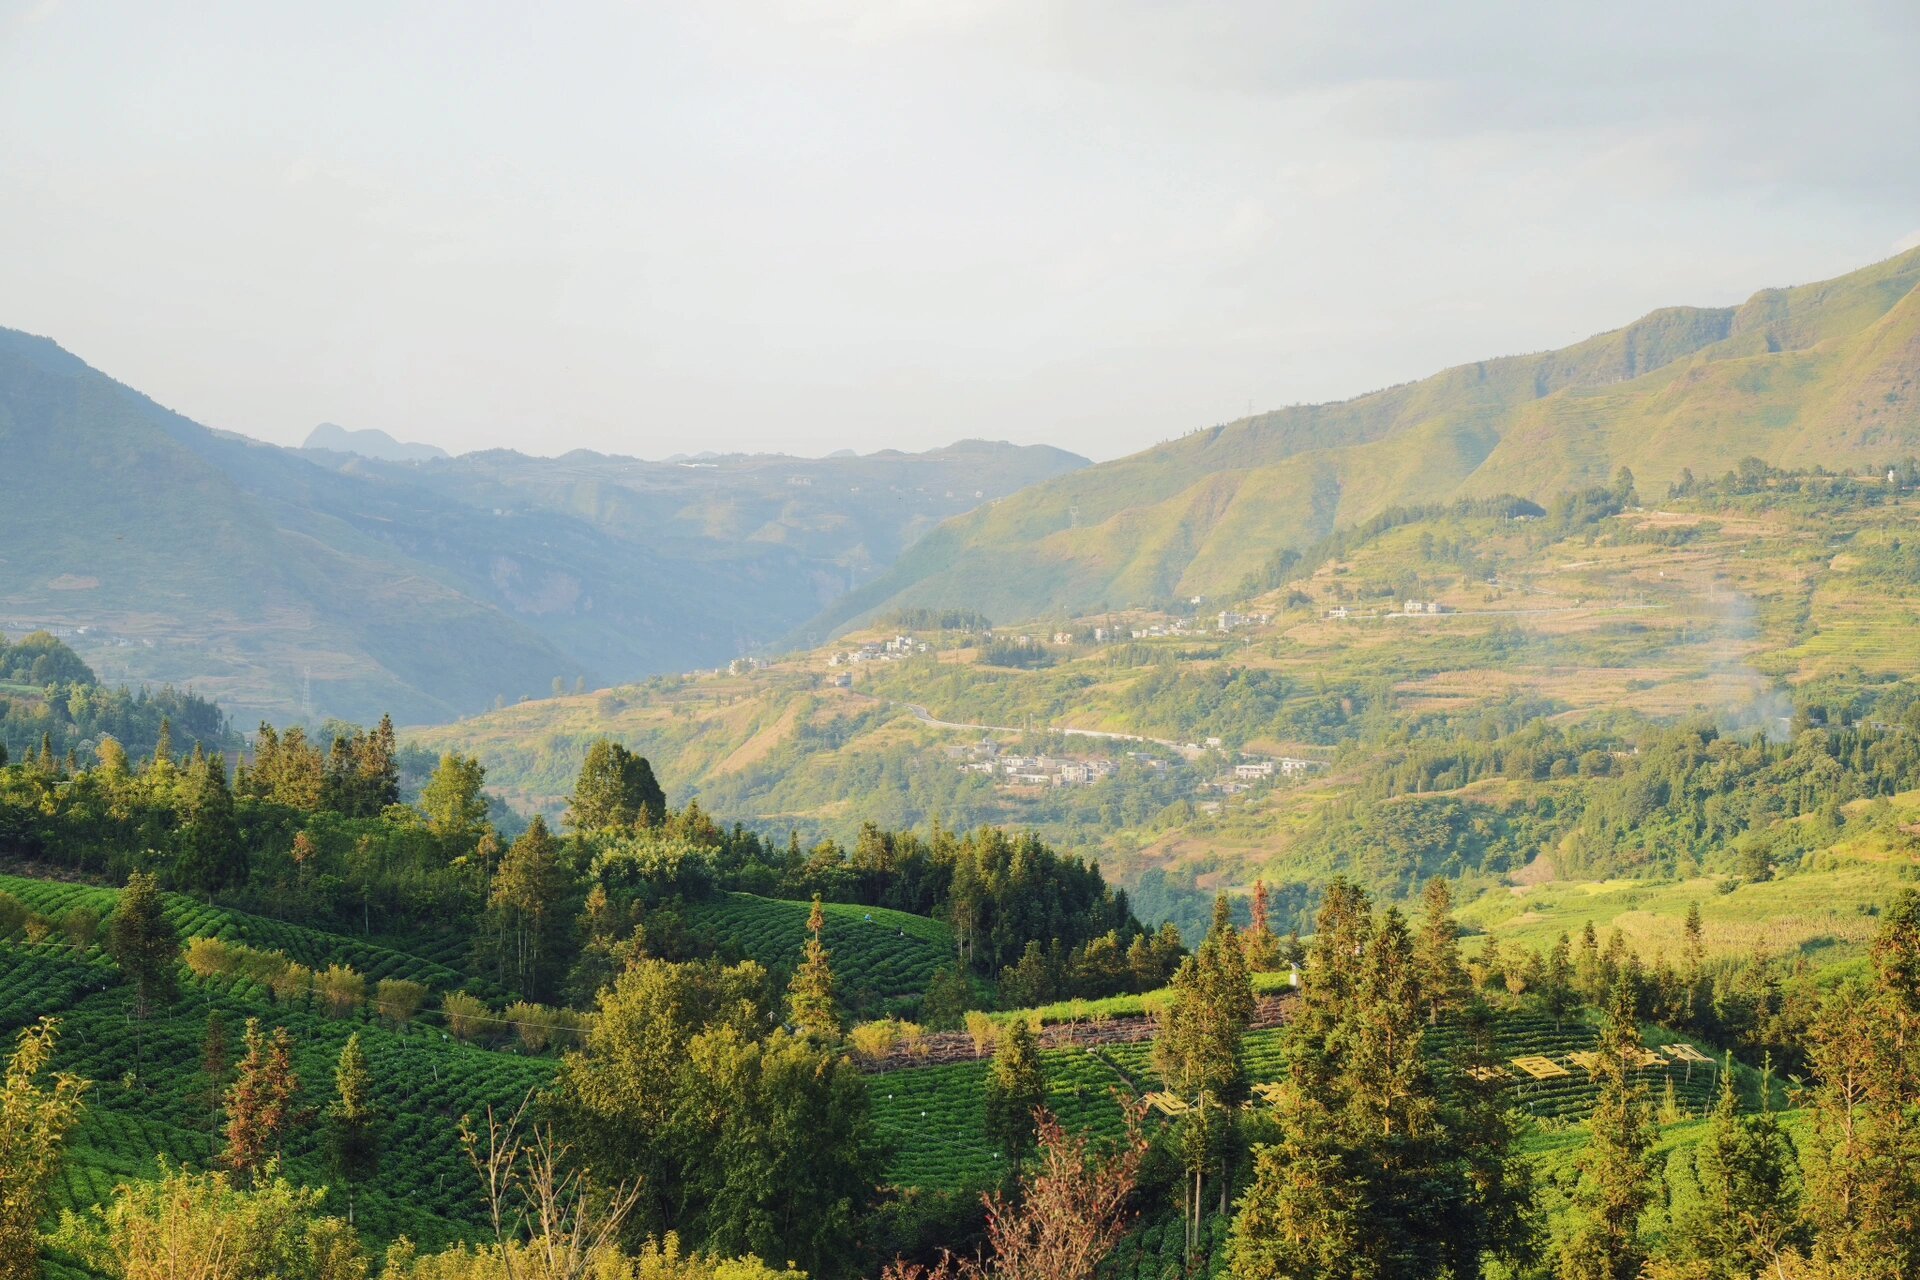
(1790, 375)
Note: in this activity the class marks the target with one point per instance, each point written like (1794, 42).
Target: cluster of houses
(1340, 611)
(1254, 770)
(1015, 770)
(878, 651)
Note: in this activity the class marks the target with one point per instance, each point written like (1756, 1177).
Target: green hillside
(1822, 373)
(276, 579)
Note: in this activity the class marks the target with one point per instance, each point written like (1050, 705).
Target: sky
(665, 227)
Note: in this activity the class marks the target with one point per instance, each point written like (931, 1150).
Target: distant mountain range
(1823, 374)
(327, 581)
(369, 443)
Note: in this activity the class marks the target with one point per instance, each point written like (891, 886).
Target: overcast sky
(653, 228)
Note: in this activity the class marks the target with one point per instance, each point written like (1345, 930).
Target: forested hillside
(1613, 683)
(363, 1034)
(1825, 374)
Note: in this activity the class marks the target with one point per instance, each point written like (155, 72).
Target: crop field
(149, 1099)
(194, 918)
(889, 956)
(935, 1117)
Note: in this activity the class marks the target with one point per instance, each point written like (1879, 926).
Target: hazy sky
(650, 228)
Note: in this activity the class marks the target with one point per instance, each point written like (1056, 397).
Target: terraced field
(193, 918)
(935, 1117)
(879, 954)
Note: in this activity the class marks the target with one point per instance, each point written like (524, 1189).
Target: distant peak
(370, 443)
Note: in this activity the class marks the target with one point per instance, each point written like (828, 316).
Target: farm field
(934, 1117)
(879, 956)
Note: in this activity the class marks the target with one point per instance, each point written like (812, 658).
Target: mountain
(1823, 373)
(370, 443)
(279, 580)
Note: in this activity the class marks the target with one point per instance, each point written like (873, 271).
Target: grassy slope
(1821, 373)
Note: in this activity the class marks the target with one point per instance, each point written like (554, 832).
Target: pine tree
(1616, 1177)
(1437, 953)
(452, 800)
(811, 1007)
(1746, 1219)
(1262, 948)
(1015, 1090)
(352, 1122)
(615, 789)
(529, 894)
(1862, 1158)
(36, 1116)
(260, 1100)
(211, 857)
(1198, 1053)
(216, 1065)
(144, 943)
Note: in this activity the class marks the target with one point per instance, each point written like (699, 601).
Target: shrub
(532, 1023)
(13, 913)
(913, 1038)
(82, 927)
(875, 1040)
(400, 1001)
(342, 988)
(291, 983)
(210, 957)
(38, 928)
(468, 1017)
(981, 1031)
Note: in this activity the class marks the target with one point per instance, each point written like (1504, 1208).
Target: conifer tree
(36, 1116)
(528, 897)
(1746, 1220)
(352, 1122)
(1015, 1090)
(260, 1100)
(811, 1007)
(616, 788)
(1862, 1158)
(452, 800)
(1616, 1182)
(1262, 948)
(216, 1065)
(1198, 1053)
(211, 857)
(145, 945)
(1437, 953)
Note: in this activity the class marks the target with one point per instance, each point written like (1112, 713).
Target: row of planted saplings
(341, 991)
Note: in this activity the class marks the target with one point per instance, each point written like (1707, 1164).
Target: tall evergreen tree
(527, 903)
(216, 1065)
(260, 1100)
(1262, 948)
(1747, 1217)
(352, 1122)
(616, 788)
(1015, 1089)
(1199, 1054)
(1437, 953)
(211, 857)
(1616, 1177)
(144, 944)
(1862, 1158)
(811, 1006)
(1376, 1173)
